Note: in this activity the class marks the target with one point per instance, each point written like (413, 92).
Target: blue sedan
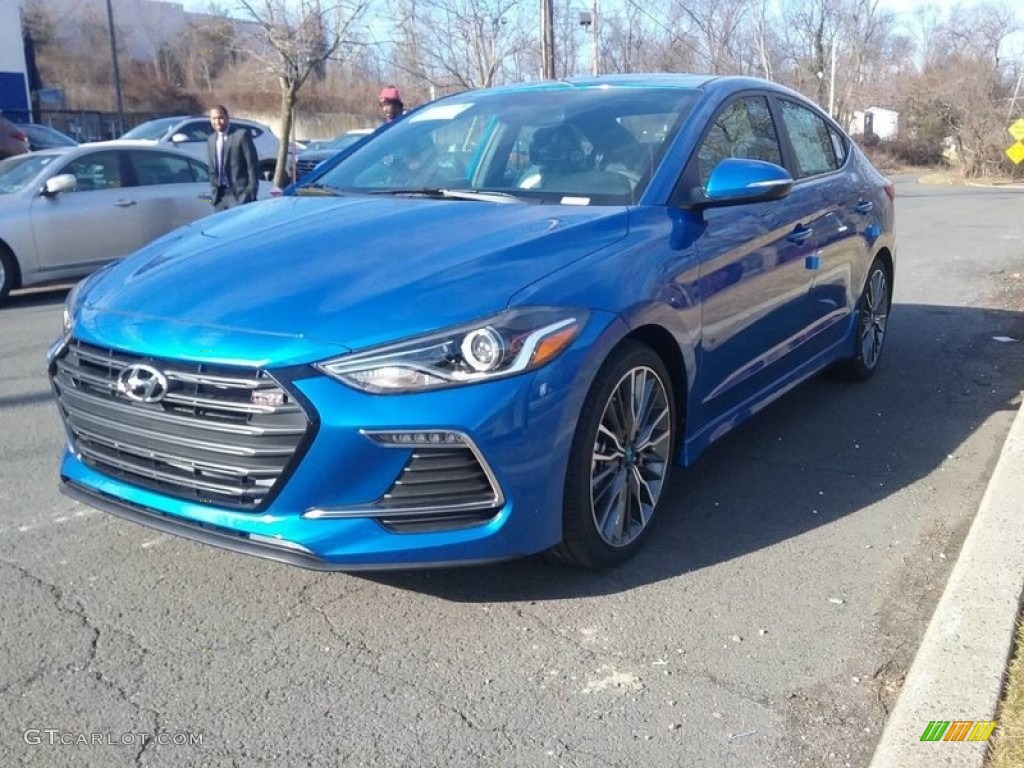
(487, 332)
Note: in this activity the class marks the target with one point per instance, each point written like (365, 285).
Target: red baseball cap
(389, 93)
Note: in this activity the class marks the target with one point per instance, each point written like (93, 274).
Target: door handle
(864, 206)
(800, 234)
(125, 203)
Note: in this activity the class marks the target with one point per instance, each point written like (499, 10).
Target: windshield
(153, 129)
(574, 145)
(17, 172)
(43, 134)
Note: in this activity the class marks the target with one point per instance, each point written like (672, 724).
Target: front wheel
(872, 322)
(619, 460)
(8, 272)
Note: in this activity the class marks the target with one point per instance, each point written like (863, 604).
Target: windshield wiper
(450, 194)
(318, 189)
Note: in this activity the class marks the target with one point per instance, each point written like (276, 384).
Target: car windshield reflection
(591, 146)
(17, 172)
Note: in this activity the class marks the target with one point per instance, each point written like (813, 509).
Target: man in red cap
(390, 101)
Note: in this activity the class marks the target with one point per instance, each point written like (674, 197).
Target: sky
(900, 6)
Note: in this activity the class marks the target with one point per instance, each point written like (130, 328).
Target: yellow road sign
(1016, 129)
(1016, 152)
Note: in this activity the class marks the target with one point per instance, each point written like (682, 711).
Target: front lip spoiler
(239, 542)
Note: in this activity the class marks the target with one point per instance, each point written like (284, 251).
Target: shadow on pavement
(823, 451)
(37, 297)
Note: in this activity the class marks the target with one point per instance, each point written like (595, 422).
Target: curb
(958, 671)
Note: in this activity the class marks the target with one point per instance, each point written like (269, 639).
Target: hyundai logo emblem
(142, 383)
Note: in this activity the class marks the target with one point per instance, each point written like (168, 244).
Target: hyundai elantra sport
(490, 330)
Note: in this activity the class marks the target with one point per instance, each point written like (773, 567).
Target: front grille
(219, 435)
(302, 167)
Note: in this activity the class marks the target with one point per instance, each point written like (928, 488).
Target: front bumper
(324, 510)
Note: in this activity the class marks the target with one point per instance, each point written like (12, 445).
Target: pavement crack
(73, 607)
(440, 698)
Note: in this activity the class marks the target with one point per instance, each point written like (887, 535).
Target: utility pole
(547, 40)
(117, 71)
(595, 62)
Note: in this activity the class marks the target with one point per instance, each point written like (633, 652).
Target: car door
(753, 280)
(818, 155)
(173, 190)
(93, 223)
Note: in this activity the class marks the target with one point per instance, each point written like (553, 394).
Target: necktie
(221, 178)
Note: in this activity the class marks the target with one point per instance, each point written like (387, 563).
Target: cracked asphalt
(769, 622)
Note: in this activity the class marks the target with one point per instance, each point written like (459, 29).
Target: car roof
(183, 118)
(231, 118)
(130, 144)
(682, 81)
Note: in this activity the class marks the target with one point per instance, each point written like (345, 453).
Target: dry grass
(1007, 745)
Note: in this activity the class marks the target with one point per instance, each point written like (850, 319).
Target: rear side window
(744, 129)
(838, 144)
(813, 142)
(197, 130)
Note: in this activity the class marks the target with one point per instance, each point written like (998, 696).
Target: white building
(14, 93)
(883, 123)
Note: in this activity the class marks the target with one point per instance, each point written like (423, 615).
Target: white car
(65, 212)
(190, 134)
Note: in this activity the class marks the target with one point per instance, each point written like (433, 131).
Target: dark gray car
(311, 158)
(12, 139)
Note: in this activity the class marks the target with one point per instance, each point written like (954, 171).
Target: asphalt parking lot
(769, 622)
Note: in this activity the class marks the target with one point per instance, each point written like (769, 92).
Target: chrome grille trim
(302, 167)
(437, 480)
(204, 441)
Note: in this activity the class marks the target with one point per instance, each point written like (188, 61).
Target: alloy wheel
(630, 457)
(873, 318)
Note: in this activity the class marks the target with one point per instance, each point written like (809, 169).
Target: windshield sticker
(575, 201)
(440, 112)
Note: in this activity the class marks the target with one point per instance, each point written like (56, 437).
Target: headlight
(513, 342)
(69, 308)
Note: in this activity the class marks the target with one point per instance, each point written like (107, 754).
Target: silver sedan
(65, 212)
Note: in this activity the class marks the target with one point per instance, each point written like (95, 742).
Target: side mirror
(737, 180)
(179, 138)
(63, 182)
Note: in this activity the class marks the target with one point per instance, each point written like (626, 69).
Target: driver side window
(745, 129)
(96, 170)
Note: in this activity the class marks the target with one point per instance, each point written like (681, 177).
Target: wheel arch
(886, 257)
(661, 340)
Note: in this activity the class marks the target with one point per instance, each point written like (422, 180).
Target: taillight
(890, 190)
(18, 135)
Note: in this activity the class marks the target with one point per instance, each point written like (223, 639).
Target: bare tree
(964, 89)
(459, 44)
(296, 38)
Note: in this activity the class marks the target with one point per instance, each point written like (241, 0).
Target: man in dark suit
(234, 166)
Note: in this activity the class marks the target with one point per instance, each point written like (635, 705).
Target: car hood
(341, 273)
(318, 155)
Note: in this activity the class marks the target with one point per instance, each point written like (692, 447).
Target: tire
(872, 323)
(613, 484)
(8, 272)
